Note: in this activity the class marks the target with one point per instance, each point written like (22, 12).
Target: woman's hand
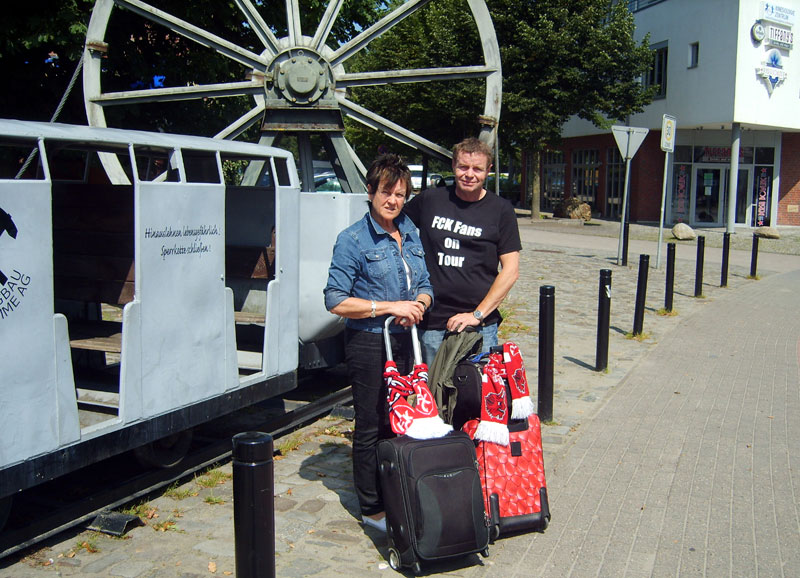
(407, 312)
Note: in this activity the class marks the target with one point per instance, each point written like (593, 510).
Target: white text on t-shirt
(457, 227)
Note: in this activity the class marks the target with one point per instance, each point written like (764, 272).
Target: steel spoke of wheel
(177, 93)
(293, 23)
(326, 24)
(394, 130)
(199, 35)
(244, 122)
(259, 26)
(381, 77)
(395, 17)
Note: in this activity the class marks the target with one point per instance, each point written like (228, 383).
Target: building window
(615, 182)
(694, 54)
(585, 175)
(636, 5)
(553, 174)
(657, 76)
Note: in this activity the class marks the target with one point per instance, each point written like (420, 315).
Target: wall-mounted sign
(771, 70)
(777, 36)
(776, 13)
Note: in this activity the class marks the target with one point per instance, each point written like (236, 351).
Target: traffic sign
(668, 127)
(629, 138)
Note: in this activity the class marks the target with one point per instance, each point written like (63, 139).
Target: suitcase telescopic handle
(414, 341)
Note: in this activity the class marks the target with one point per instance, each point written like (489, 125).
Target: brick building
(727, 72)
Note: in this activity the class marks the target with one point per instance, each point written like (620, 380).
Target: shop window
(585, 175)
(657, 76)
(553, 176)
(615, 183)
(765, 156)
(694, 54)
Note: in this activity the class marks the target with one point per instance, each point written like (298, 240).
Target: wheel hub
(300, 76)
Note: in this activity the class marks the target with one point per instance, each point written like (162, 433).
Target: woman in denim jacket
(377, 269)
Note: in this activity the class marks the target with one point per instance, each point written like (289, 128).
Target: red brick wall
(647, 172)
(789, 195)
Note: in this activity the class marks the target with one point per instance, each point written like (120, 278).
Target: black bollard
(603, 319)
(641, 294)
(625, 232)
(253, 505)
(547, 315)
(698, 276)
(670, 278)
(754, 257)
(726, 249)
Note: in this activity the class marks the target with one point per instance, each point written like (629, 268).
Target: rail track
(79, 498)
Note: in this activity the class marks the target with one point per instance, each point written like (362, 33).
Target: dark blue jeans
(365, 354)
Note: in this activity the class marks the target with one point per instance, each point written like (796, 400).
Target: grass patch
(89, 545)
(140, 509)
(644, 336)
(755, 277)
(213, 500)
(551, 422)
(212, 478)
(290, 443)
(175, 492)
(664, 313)
(165, 526)
(510, 326)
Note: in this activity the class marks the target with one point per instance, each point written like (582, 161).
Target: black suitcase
(433, 498)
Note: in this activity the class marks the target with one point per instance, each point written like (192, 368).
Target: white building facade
(728, 71)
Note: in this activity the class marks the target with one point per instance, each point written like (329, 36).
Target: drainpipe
(733, 177)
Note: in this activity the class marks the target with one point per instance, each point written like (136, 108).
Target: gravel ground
(788, 244)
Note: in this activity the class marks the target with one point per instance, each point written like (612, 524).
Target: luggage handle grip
(414, 341)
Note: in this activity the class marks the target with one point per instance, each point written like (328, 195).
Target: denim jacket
(366, 264)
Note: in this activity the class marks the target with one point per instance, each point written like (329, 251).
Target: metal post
(625, 236)
(603, 319)
(641, 294)
(726, 249)
(698, 275)
(754, 257)
(547, 307)
(253, 505)
(624, 208)
(670, 278)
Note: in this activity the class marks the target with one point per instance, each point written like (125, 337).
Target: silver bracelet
(372, 314)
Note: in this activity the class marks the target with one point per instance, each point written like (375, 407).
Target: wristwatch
(477, 315)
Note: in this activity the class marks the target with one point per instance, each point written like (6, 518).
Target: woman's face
(387, 201)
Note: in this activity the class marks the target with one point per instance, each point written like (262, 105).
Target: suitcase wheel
(416, 569)
(485, 552)
(394, 559)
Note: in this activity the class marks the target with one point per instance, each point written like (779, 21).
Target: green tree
(563, 58)
(560, 58)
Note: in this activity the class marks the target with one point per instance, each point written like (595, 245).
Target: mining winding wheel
(296, 84)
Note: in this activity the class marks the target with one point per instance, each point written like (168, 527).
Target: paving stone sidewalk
(631, 455)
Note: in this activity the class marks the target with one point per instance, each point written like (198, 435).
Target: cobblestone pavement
(651, 465)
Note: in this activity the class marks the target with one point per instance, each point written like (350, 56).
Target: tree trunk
(533, 182)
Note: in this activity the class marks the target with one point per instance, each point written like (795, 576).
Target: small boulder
(767, 233)
(683, 232)
(582, 211)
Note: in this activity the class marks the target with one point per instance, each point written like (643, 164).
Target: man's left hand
(459, 322)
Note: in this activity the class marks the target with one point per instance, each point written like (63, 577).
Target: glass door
(744, 196)
(708, 194)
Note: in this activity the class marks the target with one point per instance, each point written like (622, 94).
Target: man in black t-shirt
(467, 233)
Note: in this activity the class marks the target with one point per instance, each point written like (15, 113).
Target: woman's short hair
(389, 168)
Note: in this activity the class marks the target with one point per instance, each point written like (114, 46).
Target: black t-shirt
(463, 242)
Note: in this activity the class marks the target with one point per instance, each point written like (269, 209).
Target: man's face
(470, 170)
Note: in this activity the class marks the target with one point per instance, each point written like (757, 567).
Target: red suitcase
(512, 477)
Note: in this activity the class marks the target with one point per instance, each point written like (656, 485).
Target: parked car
(327, 182)
(416, 178)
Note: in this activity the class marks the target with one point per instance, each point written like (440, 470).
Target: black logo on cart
(6, 226)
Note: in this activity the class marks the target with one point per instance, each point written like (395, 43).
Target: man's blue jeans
(431, 340)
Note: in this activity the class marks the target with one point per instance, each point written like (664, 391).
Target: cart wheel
(416, 569)
(166, 452)
(494, 533)
(394, 560)
(485, 552)
(546, 523)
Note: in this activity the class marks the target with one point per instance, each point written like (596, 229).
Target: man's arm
(508, 275)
